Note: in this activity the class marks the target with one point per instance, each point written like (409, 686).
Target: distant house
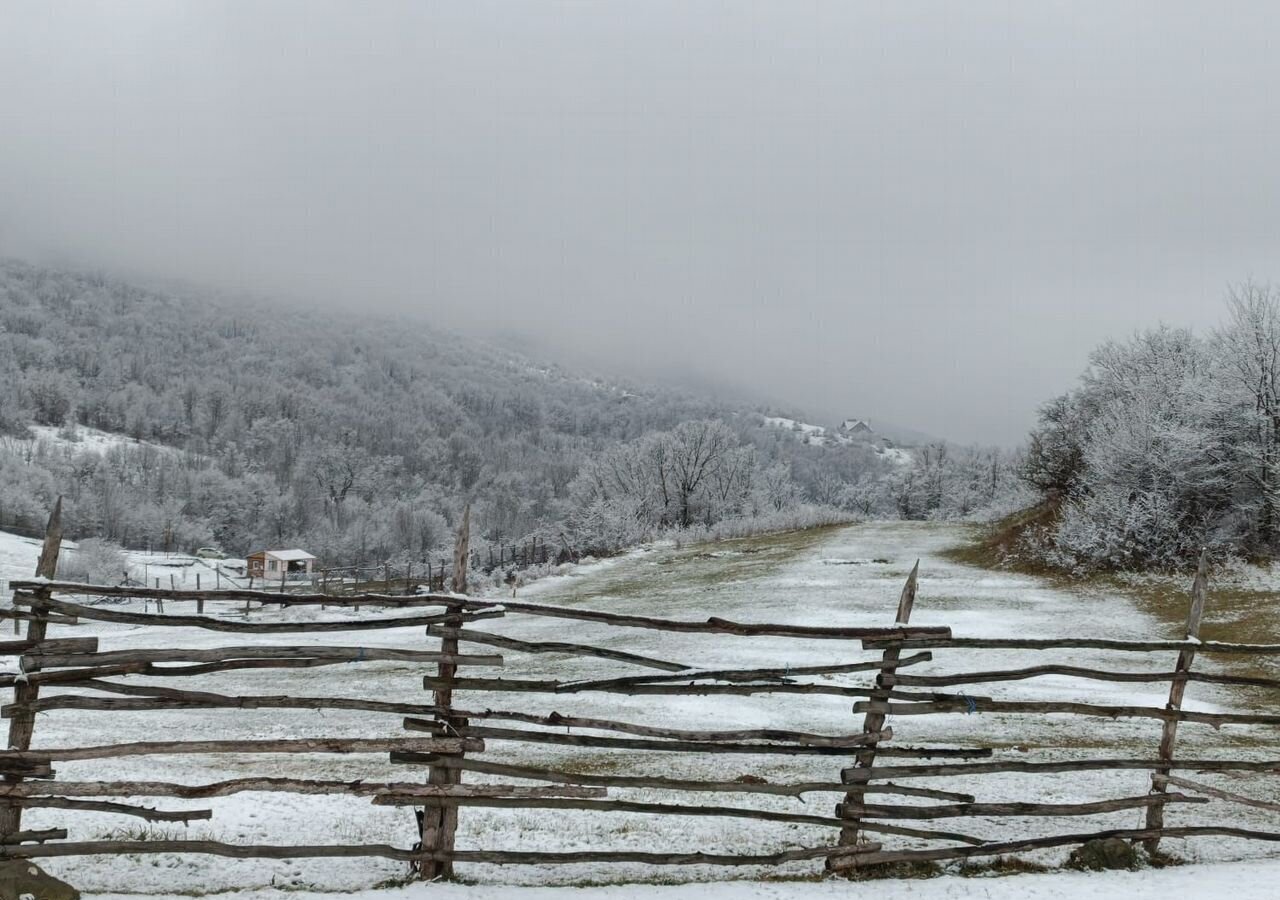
(275, 563)
(855, 426)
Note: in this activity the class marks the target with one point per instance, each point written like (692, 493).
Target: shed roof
(285, 555)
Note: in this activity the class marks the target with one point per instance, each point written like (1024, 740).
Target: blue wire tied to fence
(970, 703)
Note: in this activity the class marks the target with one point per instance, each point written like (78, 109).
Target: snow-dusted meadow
(848, 576)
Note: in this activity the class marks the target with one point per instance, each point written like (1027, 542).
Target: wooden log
(955, 643)
(36, 616)
(593, 857)
(59, 645)
(1039, 768)
(146, 813)
(152, 670)
(712, 625)
(513, 685)
(152, 702)
(786, 789)
(100, 614)
(1177, 690)
(661, 809)
(1020, 707)
(288, 745)
(47, 834)
(1196, 787)
(36, 766)
(715, 625)
(665, 809)
(438, 826)
(209, 848)
(580, 740)
(963, 678)
(22, 727)
(935, 752)
(493, 857)
(235, 595)
(556, 720)
(467, 635)
(35, 661)
(855, 858)
(965, 810)
(735, 675)
(284, 786)
(875, 721)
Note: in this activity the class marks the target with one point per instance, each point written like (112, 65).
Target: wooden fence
(447, 740)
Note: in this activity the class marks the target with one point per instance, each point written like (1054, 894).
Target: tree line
(244, 424)
(1169, 443)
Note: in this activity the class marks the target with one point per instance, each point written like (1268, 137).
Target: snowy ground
(851, 576)
(1236, 881)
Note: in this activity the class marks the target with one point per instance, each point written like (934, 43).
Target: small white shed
(275, 563)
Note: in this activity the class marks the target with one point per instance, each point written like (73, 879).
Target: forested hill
(361, 438)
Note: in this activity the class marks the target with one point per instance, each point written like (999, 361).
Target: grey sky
(923, 211)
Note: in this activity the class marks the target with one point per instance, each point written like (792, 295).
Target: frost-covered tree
(1171, 442)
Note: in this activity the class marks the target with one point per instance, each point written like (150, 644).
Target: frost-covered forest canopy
(247, 424)
(1169, 443)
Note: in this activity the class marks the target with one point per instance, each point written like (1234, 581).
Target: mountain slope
(247, 423)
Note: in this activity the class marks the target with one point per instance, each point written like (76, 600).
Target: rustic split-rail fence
(441, 741)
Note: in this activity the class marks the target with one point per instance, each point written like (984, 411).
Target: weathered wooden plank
(154, 701)
(995, 675)
(966, 810)
(955, 643)
(210, 848)
(100, 614)
(875, 721)
(734, 675)
(46, 834)
(857, 858)
(288, 745)
(514, 685)
(1197, 787)
(32, 662)
(715, 625)
(1020, 707)
(154, 670)
(1073, 765)
(1177, 690)
(739, 786)
(494, 857)
(23, 725)
(235, 595)
(581, 740)
(146, 813)
(58, 645)
(284, 786)
(467, 635)
(556, 720)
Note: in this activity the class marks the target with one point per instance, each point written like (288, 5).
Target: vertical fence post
(22, 725)
(1169, 734)
(874, 720)
(440, 823)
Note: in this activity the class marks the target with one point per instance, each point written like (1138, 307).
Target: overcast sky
(928, 212)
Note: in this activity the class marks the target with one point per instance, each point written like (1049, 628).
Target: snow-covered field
(1254, 880)
(850, 576)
